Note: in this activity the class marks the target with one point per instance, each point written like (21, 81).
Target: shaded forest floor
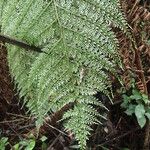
(119, 131)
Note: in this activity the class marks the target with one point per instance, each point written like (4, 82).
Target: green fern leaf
(81, 50)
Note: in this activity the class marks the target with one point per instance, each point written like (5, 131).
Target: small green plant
(3, 143)
(30, 143)
(26, 144)
(137, 104)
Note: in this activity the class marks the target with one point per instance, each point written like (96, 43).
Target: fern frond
(81, 51)
(79, 121)
(1, 11)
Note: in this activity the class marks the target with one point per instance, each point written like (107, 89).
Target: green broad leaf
(30, 145)
(141, 121)
(125, 97)
(4, 140)
(16, 147)
(139, 111)
(136, 92)
(130, 110)
(43, 138)
(126, 101)
(136, 95)
(140, 115)
(3, 143)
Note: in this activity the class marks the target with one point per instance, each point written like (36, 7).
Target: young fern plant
(81, 51)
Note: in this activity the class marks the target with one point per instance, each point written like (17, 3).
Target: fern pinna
(80, 51)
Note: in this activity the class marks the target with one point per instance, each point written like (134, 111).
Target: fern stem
(19, 43)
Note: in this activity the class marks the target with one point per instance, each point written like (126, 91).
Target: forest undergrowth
(120, 130)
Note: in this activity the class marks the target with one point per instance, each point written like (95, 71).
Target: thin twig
(56, 129)
(26, 126)
(57, 138)
(16, 115)
(11, 121)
